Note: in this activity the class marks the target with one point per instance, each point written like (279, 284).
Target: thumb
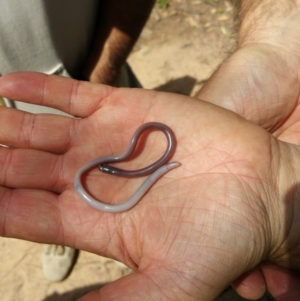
(283, 284)
(252, 285)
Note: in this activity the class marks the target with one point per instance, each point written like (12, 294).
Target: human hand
(260, 81)
(230, 206)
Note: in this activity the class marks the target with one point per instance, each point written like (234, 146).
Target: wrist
(248, 82)
(270, 22)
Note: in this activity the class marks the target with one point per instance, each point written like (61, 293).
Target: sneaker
(58, 262)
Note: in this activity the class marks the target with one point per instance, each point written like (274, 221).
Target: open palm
(198, 228)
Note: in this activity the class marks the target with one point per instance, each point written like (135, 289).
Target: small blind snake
(156, 170)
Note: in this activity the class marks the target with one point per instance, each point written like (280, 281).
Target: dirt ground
(178, 50)
(182, 45)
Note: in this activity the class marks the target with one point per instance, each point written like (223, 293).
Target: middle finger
(24, 168)
(42, 131)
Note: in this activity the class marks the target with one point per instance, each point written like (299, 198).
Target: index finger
(74, 97)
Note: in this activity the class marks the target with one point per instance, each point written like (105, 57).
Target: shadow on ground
(74, 294)
(183, 85)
